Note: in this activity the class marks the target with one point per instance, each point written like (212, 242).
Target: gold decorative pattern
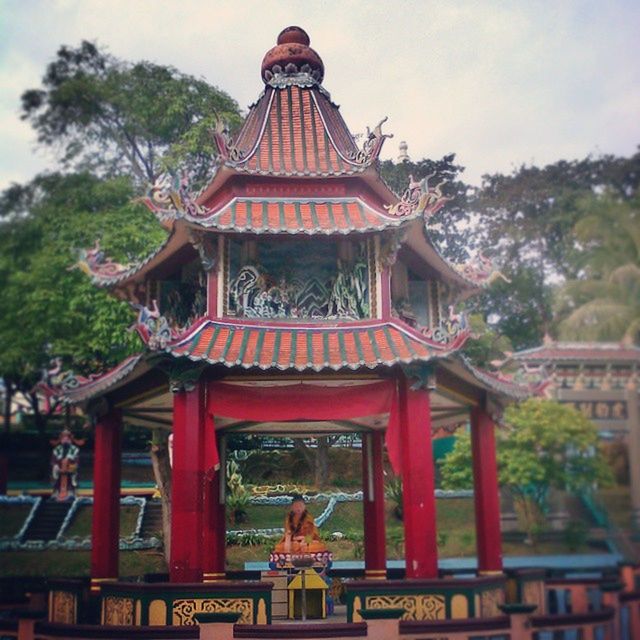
(533, 593)
(490, 601)
(185, 610)
(417, 607)
(63, 607)
(118, 611)
(357, 605)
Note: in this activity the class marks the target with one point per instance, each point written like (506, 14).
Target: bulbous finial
(292, 55)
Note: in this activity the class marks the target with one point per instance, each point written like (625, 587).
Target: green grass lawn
(12, 517)
(455, 522)
(81, 524)
(76, 563)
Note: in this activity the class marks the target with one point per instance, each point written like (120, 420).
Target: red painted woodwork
(105, 523)
(214, 530)
(212, 294)
(418, 482)
(187, 485)
(486, 492)
(385, 293)
(375, 557)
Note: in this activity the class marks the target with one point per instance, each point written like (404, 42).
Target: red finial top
(292, 55)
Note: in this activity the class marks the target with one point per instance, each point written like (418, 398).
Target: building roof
(309, 216)
(315, 347)
(579, 351)
(294, 129)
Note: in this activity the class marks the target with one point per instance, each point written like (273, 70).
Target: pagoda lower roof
(308, 216)
(353, 345)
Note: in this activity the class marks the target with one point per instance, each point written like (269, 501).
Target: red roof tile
(292, 346)
(296, 131)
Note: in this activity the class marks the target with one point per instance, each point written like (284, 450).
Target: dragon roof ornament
(98, 266)
(420, 199)
(480, 270)
(169, 198)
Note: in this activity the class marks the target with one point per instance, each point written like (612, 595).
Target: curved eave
(173, 243)
(496, 385)
(417, 241)
(287, 346)
(125, 372)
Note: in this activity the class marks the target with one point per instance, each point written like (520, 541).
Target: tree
(485, 346)
(544, 445)
(449, 229)
(49, 308)
(526, 221)
(113, 117)
(603, 302)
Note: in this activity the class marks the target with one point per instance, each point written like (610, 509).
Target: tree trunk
(322, 463)
(162, 475)
(8, 397)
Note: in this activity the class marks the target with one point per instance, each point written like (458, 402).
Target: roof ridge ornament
(169, 198)
(480, 270)
(372, 144)
(420, 199)
(292, 61)
(97, 265)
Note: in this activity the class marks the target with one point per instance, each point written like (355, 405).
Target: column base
(96, 583)
(213, 576)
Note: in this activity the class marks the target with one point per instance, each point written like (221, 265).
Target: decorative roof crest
(420, 199)
(169, 198)
(372, 144)
(95, 264)
(152, 327)
(480, 270)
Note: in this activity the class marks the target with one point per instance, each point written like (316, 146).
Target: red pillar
(105, 524)
(375, 557)
(187, 485)
(214, 529)
(418, 482)
(486, 492)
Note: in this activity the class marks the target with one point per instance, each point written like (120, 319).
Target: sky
(499, 83)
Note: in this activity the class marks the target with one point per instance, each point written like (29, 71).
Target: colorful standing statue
(301, 537)
(64, 465)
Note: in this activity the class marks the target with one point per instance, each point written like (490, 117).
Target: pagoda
(295, 294)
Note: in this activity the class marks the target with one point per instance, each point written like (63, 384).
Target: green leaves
(544, 445)
(118, 118)
(49, 307)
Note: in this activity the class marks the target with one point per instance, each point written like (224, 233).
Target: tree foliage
(544, 445)
(49, 308)
(527, 222)
(603, 301)
(449, 228)
(119, 118)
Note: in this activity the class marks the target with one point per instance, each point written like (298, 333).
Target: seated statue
(300, 532)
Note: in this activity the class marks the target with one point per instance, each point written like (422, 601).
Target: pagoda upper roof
(294, 129)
